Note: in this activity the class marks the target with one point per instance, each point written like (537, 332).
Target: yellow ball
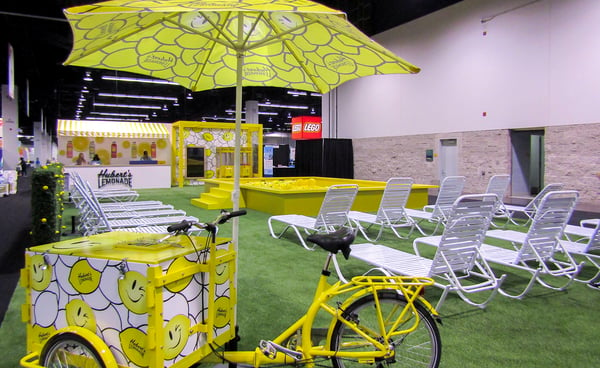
(59, 216)
(44, 167)
(45, 187)
(44, 220)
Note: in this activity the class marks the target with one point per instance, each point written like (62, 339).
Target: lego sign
(306, 127)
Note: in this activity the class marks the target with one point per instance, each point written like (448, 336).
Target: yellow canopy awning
(112, 129)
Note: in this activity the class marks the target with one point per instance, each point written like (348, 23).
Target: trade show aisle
(15, 225)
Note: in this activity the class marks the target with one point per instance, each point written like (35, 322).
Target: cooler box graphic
(153, 304)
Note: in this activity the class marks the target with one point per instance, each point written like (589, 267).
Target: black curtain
(325, 157)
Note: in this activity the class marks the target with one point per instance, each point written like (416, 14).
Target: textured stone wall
(571, 153)
(573, 158)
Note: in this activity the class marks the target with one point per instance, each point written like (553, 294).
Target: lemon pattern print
(134, 344)
(41, 273)
(110, 297)
(132, 289)
(80, 314)
(83, 277)
(176, 334)
(175, 267)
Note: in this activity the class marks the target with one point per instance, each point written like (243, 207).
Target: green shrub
(47, 191)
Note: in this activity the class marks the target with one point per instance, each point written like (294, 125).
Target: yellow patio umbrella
(208, 44)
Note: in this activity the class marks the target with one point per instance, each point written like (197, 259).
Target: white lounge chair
(391, 212)
(332, 215)
(498, 184)
(534, 251)
(96, 220)
(586, 250)
(530, 208)
(450, 189)
(457, 265)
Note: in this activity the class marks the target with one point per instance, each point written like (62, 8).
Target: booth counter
(138, 176)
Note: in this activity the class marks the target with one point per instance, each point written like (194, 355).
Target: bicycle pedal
(270, 349)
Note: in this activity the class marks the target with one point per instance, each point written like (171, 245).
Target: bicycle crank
(270, 349)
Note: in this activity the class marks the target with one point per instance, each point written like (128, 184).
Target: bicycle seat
(334, 242)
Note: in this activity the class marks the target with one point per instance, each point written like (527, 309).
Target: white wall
(537, 65)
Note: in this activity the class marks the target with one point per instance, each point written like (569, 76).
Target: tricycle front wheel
(69, 350)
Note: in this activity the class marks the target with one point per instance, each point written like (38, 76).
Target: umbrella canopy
(296, 44)
(208, 44)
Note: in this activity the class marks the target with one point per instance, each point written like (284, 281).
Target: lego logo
(313, 128)
(296, 128)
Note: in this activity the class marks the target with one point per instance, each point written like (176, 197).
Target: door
(527, 168)
(448, 158)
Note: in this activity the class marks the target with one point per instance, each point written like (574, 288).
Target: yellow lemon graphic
(177, 332)
(40, 334)
(207, 137)
(227, 136)
(161, 143)
(143, 146)
(80, 314)
(133, 343)
(104, 156)
(132, 290)
(209, 174)
(207, 152)
(99, 139)
(41, 273)
(222, 311)
(80, 143)
(126, 144)
(83, 277)
(197, 130)
(222, 271)
(61, 152)
(175, 267)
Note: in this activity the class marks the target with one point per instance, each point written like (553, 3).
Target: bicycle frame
(410, 287)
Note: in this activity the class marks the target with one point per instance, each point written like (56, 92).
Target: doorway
(528, 160)
(448, 158)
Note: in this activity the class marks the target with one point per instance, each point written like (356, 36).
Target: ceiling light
(119, 114)
(296, 93)
(315, 94)
(88, 77)
(215, 117)
(150, 107)
(189, 96)
(138, 80)
(268, 104)
(142, 97)
(165, 108)
(109, 119)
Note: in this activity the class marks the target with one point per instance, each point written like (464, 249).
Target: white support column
(10, 129)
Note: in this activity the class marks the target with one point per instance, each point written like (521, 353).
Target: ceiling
(41, 40)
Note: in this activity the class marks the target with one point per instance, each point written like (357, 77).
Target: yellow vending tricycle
(128, 299)
(123, 299)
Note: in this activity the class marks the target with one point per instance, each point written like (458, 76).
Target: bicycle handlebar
(223, 217)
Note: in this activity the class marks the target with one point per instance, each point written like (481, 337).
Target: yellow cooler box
(152, 303)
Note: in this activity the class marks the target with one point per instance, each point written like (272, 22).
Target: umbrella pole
(238, 133)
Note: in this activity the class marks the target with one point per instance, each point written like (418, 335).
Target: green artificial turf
(277, 277)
